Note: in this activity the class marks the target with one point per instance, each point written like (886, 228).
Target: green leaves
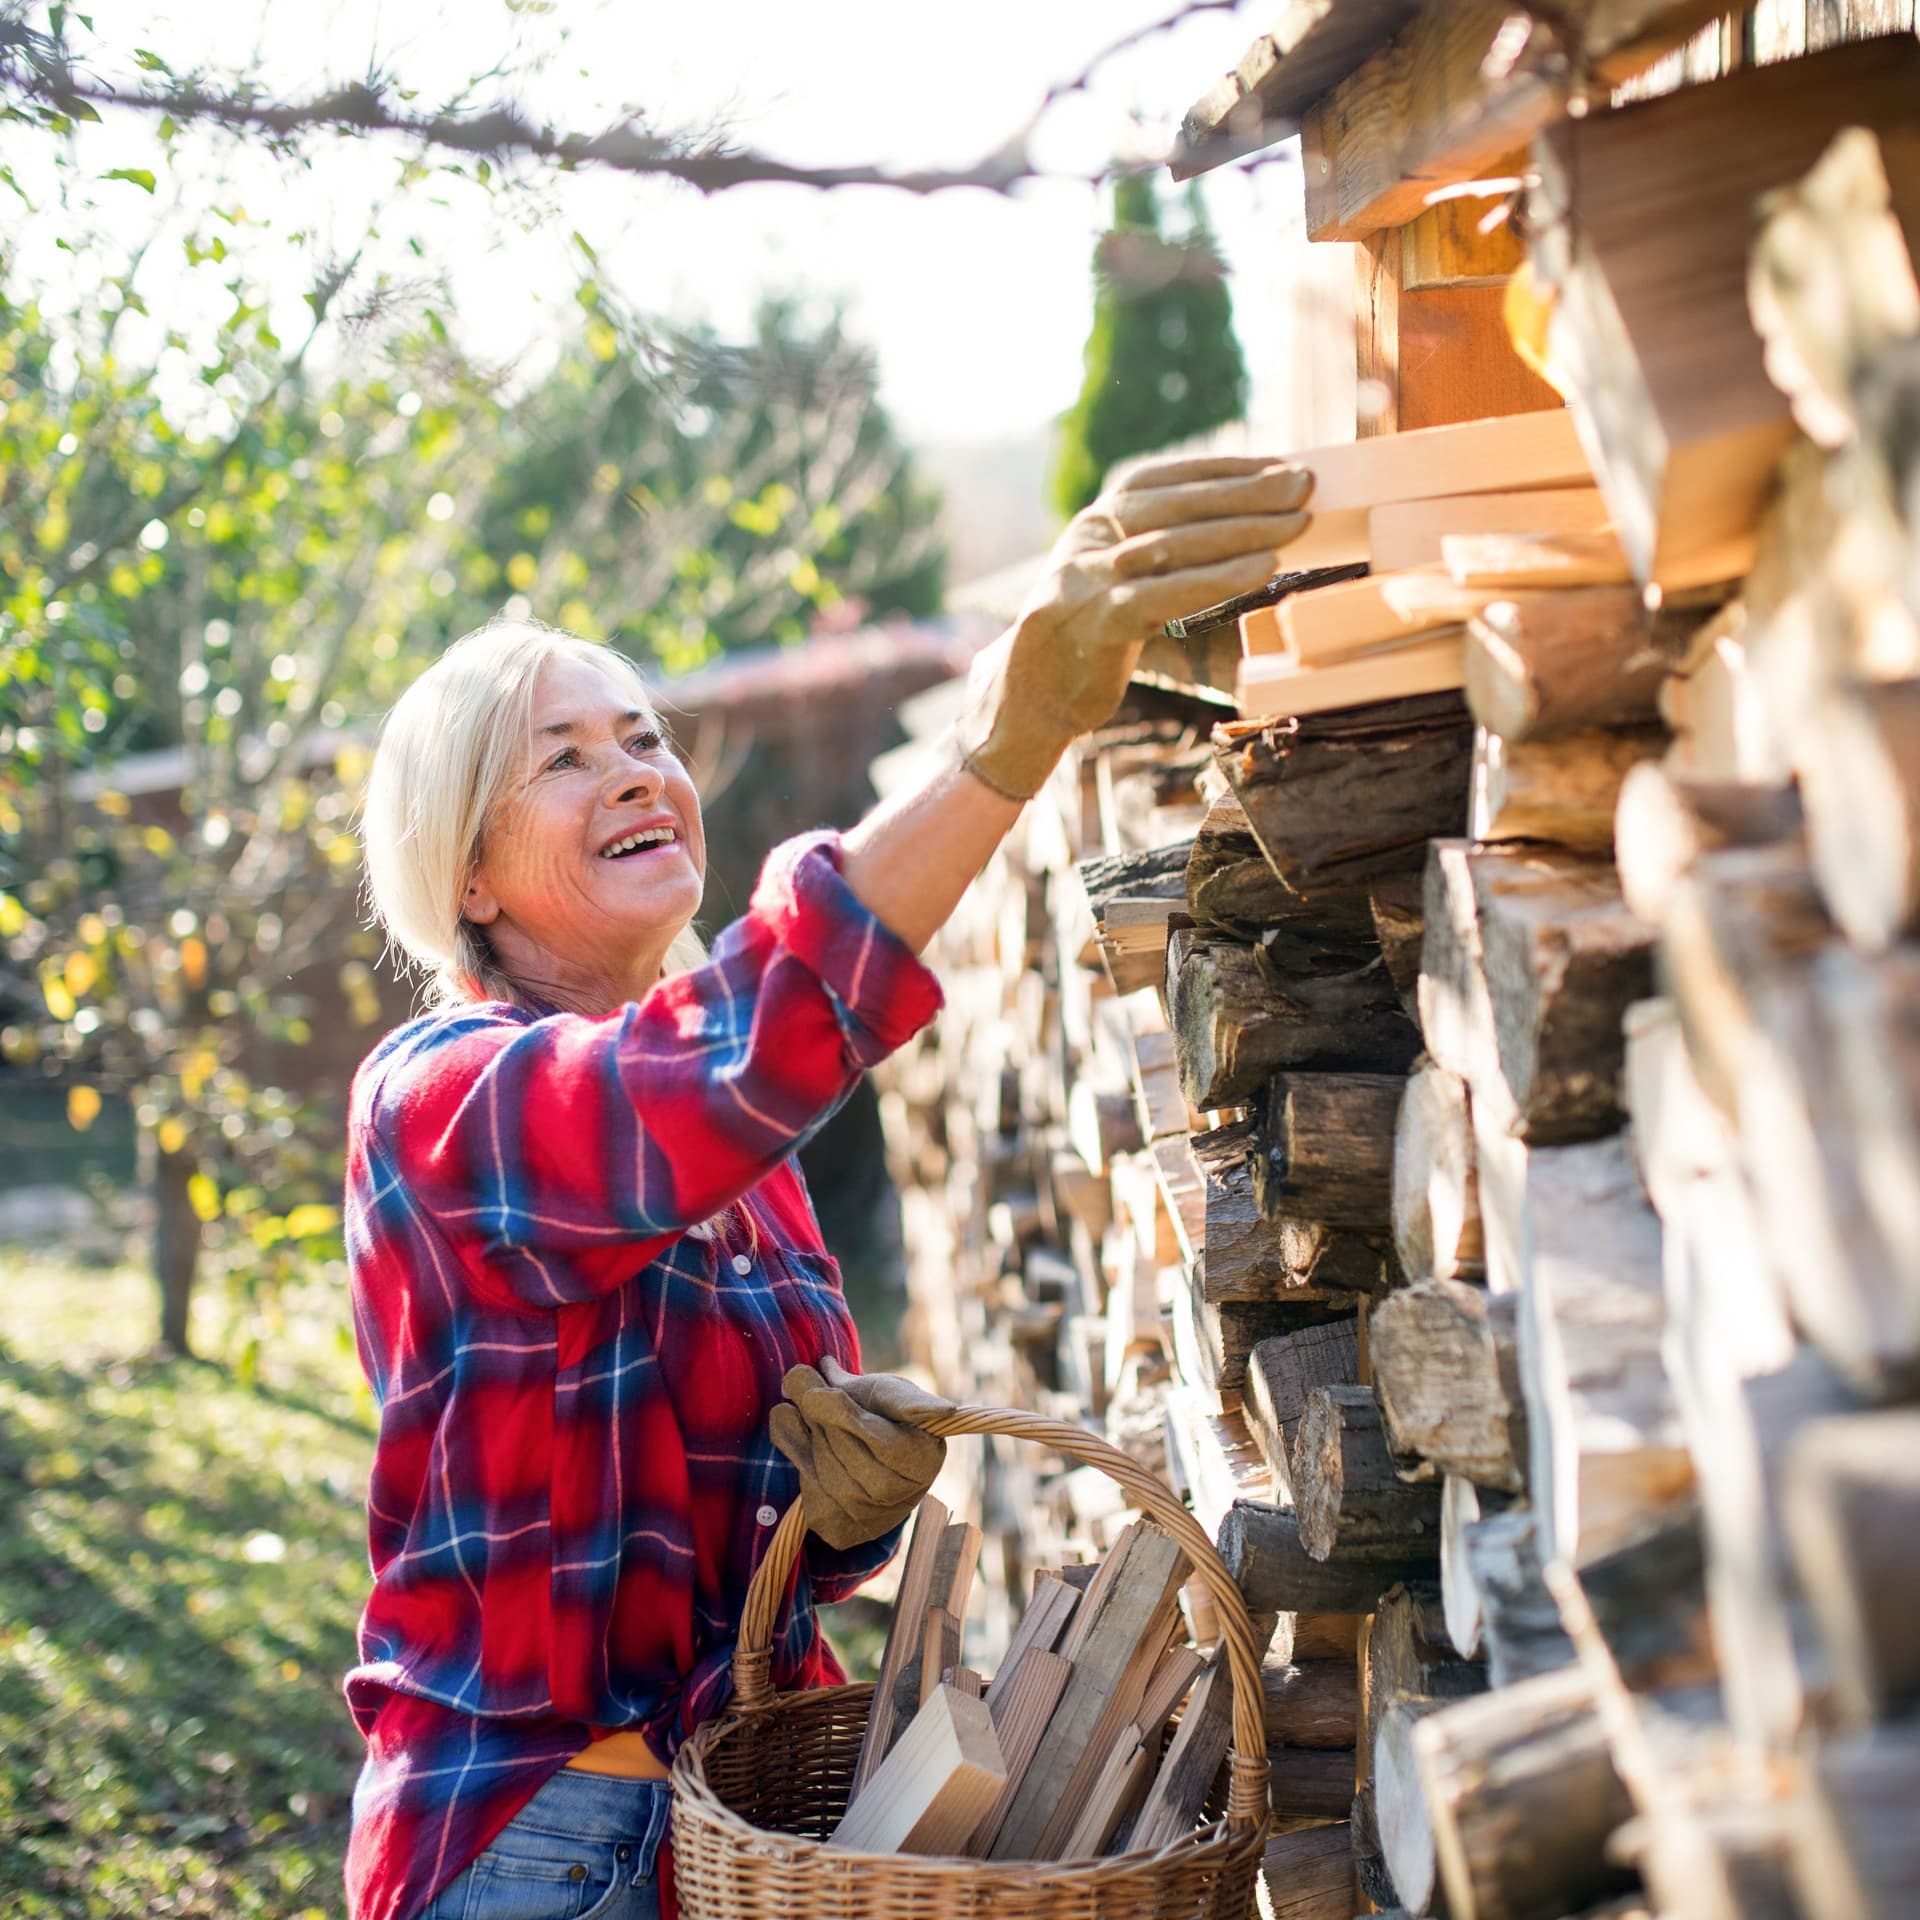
(141, 177)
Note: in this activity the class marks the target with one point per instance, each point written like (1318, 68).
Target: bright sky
(977, 304)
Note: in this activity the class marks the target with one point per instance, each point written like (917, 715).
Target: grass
(182, 1562)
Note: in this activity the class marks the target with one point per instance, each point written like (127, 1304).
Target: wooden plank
(1199, 1747)
(1456, 94)
(950, 1580)
(1506, 563)
(1024, 1709)
(1357, 615)
(903, 1635)
(1101, 1697)
(931, 1791)
(1407, 533)
(1130, 1762)
(1504, 455)
(1315, 44)
(1050, 1606)
(1271, 688)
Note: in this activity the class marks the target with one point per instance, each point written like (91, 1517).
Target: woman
(583, 1258)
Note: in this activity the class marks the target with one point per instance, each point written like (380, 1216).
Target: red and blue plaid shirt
(573, 1481)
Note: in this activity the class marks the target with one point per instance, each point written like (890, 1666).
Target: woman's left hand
(864, 1466)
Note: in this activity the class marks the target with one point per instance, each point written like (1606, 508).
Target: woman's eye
(563, 757)
(648, 742)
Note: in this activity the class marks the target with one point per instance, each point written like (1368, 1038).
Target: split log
(1563, 959)
(1409, 1655)
(1262, 1550)
(1437, 1369)
(1665, 820)
(1400, 1807)
(1193, 1758)
(1311, 1704)
(1562, 790)
(1347, 1484)
(1308, 1875)
(1395, 901)
(1460, 1509)
(1606, 1450)
(1857, 761)
(1336, 799)
(1240, 1021)
(1282, 1374)
(1324, 1148)
(1649, 1604)
(1310, 1782)
(1212, 1338)
(1852, 1512)
(1561, 662)
(1250, 1254)
(1436, 1196)
(1230, 883)
(1519, 1622)
(935, 1785)
(1523, 1797)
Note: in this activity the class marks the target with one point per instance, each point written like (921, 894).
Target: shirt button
(766, 1516)
(742, 1265)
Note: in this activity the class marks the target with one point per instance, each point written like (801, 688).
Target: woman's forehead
(578, 693)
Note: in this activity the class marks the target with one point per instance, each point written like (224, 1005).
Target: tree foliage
(1162, 361)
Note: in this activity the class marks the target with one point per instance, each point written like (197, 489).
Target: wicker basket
(756, 1790)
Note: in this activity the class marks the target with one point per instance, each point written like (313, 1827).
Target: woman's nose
(640, 783)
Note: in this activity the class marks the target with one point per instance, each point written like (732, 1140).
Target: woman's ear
(477, 905)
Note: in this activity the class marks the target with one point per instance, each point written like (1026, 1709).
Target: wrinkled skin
(1166, 538)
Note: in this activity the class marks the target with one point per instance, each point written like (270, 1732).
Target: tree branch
(33, 67)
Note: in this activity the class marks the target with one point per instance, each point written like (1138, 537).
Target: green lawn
(182, 1560)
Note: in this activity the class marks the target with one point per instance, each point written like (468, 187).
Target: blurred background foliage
(206, 603)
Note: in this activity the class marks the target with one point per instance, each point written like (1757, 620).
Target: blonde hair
(453, 743)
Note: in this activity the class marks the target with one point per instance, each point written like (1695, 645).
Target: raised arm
(1169, 537)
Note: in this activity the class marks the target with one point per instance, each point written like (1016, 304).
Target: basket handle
(1247, 1795)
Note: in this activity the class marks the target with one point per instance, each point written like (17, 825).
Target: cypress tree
(1162, 362)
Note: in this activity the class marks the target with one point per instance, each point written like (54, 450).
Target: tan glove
(863, 1467)
(1167, 537)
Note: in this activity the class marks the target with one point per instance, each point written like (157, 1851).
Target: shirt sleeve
(835, 1572)
(558, 1154)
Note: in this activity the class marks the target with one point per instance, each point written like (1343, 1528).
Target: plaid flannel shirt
(572, 1480)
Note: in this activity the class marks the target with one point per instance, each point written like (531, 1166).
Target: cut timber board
(1333, 623)
(1274, 688)
(1407, 533)
(1514, 453)
(932, 1790)
(1314, 45)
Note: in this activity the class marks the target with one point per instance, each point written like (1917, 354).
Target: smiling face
(594, 859)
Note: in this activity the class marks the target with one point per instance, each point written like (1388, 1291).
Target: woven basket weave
(757, 1789)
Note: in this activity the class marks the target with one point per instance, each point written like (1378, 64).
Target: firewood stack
(1461, 1110)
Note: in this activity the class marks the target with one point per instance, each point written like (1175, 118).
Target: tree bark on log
(1315, 1703)
(1347, 1485)
(1435, 1350)
(1335, 799)
(1261, 1547)
(1519, 1622)
(1395, 899)
(1409, 1654)
(1230, 883)
(1240, 1019)
(1252, 1256)
(1562, 790)
(1649, 1602)
(1324, 1148)
(1523, 1797)
(1556, 662)
(1563, 960)
(1436, 1193)
(1281, 1376)
(1310, 1782)
(1308, 1874)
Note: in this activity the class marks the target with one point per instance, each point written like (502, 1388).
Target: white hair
(453, 743)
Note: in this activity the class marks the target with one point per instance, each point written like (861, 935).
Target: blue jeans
(583, 1848)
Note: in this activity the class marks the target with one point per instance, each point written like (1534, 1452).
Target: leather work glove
(863, 1469)
(1165, 538)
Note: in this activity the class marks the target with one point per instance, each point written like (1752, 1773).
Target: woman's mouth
(643, 841)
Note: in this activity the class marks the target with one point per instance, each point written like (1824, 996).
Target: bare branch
(34, 68)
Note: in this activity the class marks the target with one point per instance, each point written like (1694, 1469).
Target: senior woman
(584, 1262)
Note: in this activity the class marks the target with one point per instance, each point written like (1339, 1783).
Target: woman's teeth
(634, 842)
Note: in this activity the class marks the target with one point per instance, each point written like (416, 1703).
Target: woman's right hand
(1165, 538)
